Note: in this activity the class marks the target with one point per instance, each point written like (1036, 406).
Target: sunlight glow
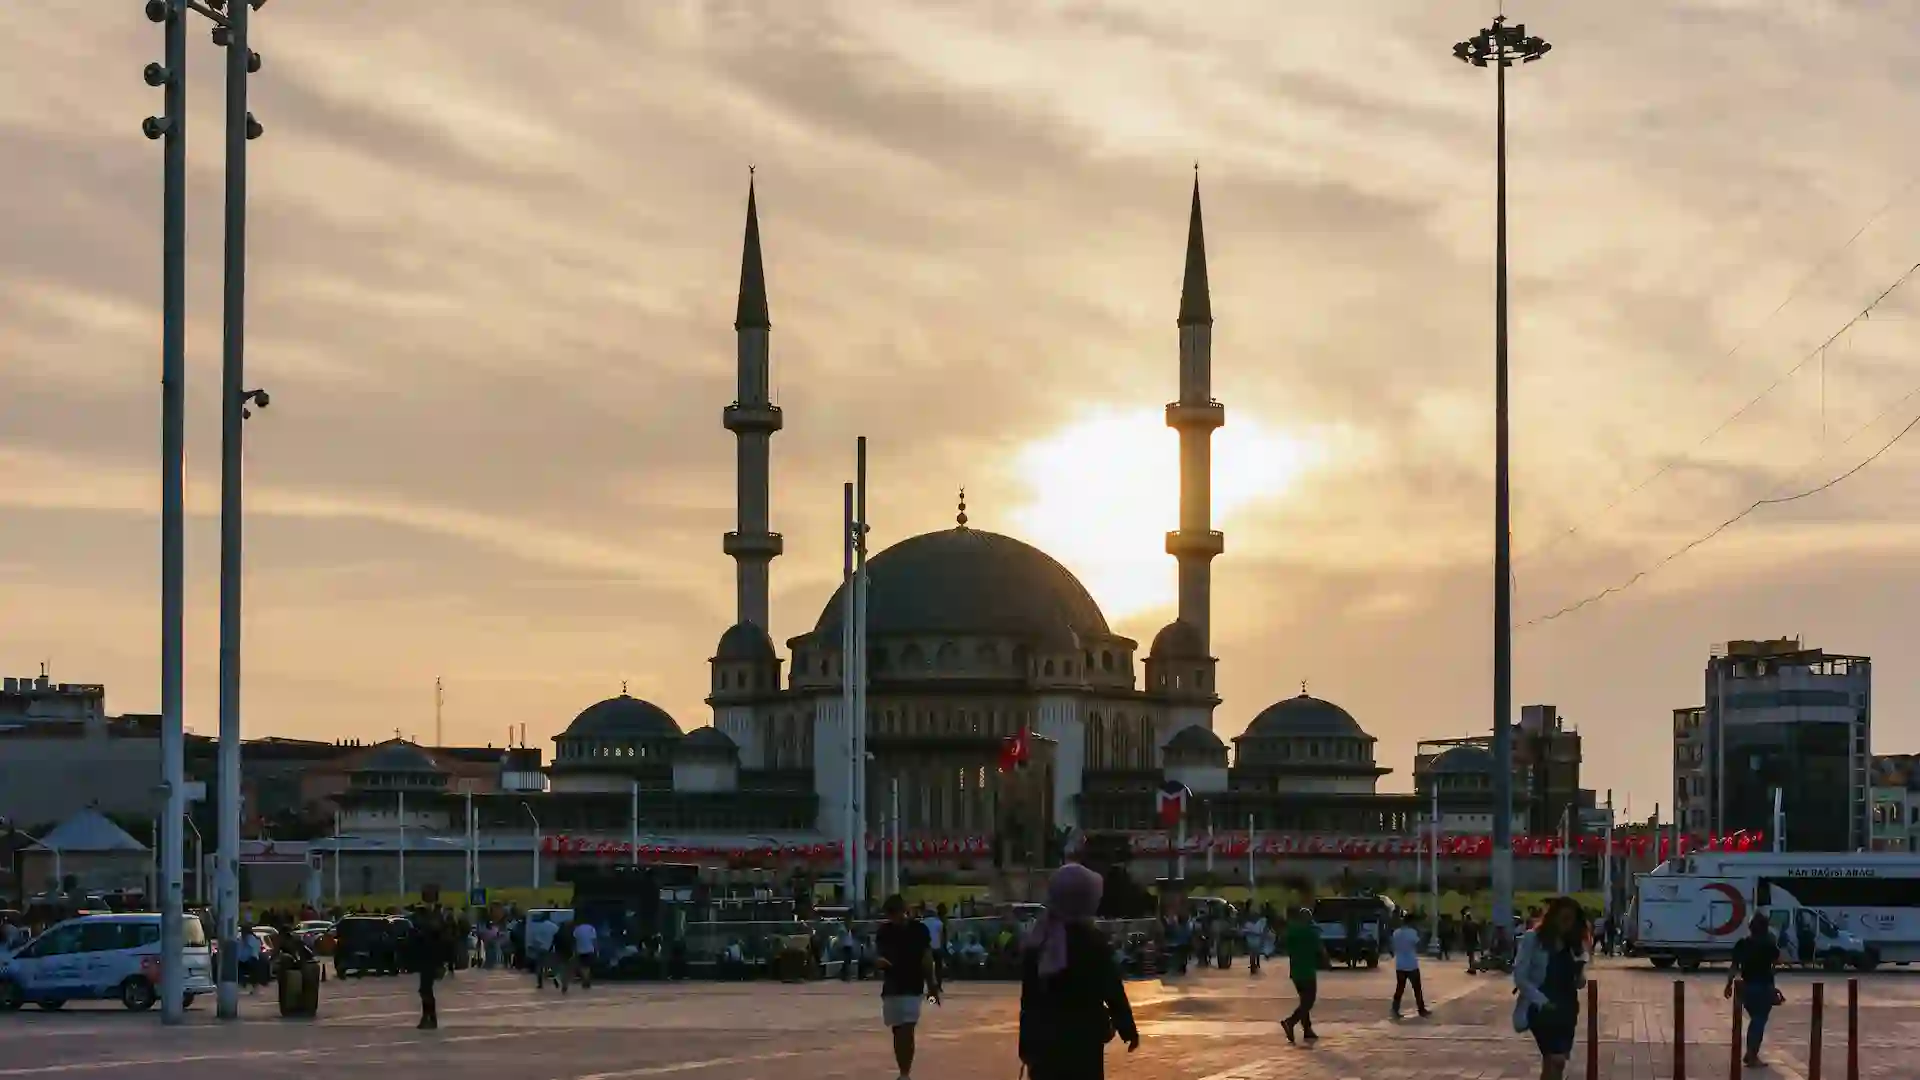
(1105, 490)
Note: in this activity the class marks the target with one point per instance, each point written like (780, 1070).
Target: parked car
(102, 957)
(366, 945)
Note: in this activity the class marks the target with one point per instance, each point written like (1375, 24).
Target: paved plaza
(1209, 1026)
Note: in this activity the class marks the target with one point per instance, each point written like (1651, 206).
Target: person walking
(1470, 939)
(907, 976)
(1254, 933)
(1072, 1002)
(1547, 976)
(1305, 954)
(586, 945)
(935, 920)
(540, 934)
(431, 940)
(1754, 959)
(1406, 965)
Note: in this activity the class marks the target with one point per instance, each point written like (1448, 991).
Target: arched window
(986, 656)
(1106, 660)
(913, 659)
(947, 656)
(1047, 668)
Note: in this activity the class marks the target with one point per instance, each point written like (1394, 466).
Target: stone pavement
(1210, 1026)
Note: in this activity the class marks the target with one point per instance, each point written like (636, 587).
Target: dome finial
(1303, 688)
(623, 687)
(961, 517)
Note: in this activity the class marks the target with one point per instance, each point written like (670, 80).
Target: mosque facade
(974, 638)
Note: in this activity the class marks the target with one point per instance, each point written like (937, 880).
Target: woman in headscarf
(1072, 1002)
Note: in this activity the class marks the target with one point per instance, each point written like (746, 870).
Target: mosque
(973, 637)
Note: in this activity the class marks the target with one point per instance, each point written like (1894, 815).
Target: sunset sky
(492, 281)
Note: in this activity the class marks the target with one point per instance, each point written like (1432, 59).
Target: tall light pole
(171, 127)
(230, 31)
(1500, 46)
(858, 670)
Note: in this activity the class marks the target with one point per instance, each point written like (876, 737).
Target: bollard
(1733, 1068)
(1813, 1046)
(1679, 1030)
(1853, 1029)
(1593, 1028)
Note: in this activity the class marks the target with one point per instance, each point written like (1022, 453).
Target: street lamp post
(171, 127)
(231, 32)
(1501, 46)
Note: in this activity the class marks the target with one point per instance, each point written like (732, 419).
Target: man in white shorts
(908, 977)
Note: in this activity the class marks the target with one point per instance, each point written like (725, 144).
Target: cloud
(491, 288)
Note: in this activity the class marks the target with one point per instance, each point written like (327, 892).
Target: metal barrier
(1813, 1031)
(1593, 1029)
(1853, 1029)
(1679, 1030)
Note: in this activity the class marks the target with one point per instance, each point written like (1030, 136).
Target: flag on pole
(1014, 750)
(1171, 801)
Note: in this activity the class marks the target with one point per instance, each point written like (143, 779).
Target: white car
(102, 957)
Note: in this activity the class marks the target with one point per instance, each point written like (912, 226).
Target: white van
(102, 957)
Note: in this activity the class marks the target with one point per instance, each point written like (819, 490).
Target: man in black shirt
(1754, 958)
(907, 976)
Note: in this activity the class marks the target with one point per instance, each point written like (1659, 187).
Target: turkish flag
(1014, 750)
(1171, 801)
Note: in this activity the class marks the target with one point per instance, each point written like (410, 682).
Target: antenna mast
(439, 699)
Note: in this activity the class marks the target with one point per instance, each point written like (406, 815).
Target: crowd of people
(1073, 999)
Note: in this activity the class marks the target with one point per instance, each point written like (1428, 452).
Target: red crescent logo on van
(1734, 898)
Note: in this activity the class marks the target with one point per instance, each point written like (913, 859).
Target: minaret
(1195, 416)
(753, 418)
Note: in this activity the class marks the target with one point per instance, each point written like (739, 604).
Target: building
(1779, 715)
(1546, 777)
(1896, 802)
(35, 701)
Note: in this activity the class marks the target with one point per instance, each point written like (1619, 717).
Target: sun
(1105, 490)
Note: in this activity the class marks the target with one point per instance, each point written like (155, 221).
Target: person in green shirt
(1305, 954)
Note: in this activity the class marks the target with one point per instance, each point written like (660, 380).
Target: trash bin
(300, 990)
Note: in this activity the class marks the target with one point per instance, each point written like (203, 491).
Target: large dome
(397, 756)
(622, 717)
(968, 581)
(1304, 716)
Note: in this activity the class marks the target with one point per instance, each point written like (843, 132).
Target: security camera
(260, 397)
(254, 130)
(158, 10)
(253, 62)
(222, 35)
(156, 75)
(153, 127)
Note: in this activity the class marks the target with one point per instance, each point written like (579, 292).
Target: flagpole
(1180, 844)
(1253, 887)
(1209, 843)
(1606, 864)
